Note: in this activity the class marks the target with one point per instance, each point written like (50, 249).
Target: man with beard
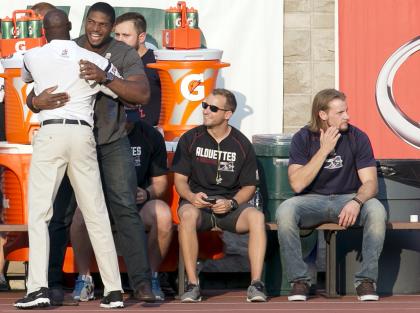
(333, 171)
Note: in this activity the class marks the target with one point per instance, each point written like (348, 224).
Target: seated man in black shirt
(333, 171)
(215, 175)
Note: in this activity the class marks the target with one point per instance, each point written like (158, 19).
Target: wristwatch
(109, 77)
(233, 204)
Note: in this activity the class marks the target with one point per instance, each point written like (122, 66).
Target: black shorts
(226, 221)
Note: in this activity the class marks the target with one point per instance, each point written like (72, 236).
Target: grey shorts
(226, 221)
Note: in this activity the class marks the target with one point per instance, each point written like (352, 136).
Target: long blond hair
(321, 103)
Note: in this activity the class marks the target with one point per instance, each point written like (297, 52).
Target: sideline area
(234, 301)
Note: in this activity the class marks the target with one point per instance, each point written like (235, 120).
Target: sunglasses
(213, 108)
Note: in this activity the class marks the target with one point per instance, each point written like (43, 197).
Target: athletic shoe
(144, 292)
(256, 292)
(59, 298)
(299, 292)
(191, 294)
(36, 299)
(84, 289)
(112, 300)
(157, 291)
(366, 291)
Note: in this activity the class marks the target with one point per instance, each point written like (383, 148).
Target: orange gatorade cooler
(187, 77)
(20, 122)
(15, 160)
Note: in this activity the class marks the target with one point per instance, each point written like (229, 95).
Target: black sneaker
(59, 298)
(256, 292)
(112, 300)
(144, 292)
(36, 299)
(366, 291)
(299, 292)
(4, 285)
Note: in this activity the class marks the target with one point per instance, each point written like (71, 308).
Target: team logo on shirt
(136, 152)
(65, 53)
(334, 163)
(226, 166)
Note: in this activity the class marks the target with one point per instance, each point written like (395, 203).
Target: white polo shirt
(57, 64)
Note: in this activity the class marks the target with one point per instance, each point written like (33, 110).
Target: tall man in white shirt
(65, 142)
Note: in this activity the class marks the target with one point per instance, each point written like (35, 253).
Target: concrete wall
(308, 56)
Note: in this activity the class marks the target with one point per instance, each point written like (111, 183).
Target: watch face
(109, 77)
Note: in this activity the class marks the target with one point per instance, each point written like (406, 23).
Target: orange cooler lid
(188, 55)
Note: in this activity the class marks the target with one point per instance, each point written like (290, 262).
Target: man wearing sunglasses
(215, 175)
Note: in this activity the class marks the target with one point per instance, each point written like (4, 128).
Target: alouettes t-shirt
(216, 168)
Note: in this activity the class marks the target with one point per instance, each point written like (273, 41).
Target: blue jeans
(313, 209)
(119, 182)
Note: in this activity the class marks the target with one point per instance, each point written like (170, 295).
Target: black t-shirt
(149, 153)
(150, 112)
(338, 174)
(233, 161)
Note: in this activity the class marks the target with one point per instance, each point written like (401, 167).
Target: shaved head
(57, 25)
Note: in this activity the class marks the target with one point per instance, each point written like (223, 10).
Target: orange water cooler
(187, 78)
(20, 122)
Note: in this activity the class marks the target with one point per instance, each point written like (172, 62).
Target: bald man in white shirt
(65, 143)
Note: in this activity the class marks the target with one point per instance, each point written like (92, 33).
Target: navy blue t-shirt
(338, 174)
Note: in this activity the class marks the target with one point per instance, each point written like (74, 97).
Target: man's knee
(286, 212)
(188, 214)
(163, 216)
(374, 216)
(256, 218)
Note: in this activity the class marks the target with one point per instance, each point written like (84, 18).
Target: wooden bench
(13, 227)
(330, 232)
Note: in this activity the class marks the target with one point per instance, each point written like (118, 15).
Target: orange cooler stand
(20, 122)
(15, 160)
(187, 77)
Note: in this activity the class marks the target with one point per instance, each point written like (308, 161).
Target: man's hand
(199, 202)
(348, 214)
(90, 71)
(328, 139)
(222, 206)
(141, 195)
(47, 100)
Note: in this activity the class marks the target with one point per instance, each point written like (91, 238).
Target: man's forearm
(304, 176)
(134, 90)
(184, 191)
(367, 191)
(30, 103)
(158, 187)
(245, 194)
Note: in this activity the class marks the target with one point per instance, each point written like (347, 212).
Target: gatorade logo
(192, 87)
(20, 46)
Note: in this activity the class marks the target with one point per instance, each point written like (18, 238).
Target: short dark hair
(229, 96)
(104, 8)
(138, 20)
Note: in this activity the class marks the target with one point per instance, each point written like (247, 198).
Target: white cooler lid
(16, 61)
(13, 148)
(188, 55)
